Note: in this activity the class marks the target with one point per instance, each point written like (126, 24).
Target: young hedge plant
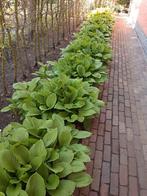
(72, 99)
(42, 157)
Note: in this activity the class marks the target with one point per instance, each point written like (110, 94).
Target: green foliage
(40, 162)
(43, 155)
(73, 99)
(83, 66)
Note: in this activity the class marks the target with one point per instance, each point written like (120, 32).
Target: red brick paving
(119, 141)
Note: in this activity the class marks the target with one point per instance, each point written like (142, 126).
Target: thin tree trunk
(2, 48)
(52, 24)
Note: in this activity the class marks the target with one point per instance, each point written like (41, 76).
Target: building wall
(138, 18)
(142, 16)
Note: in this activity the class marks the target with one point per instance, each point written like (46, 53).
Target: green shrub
(80, 65)
(72, 99)
(42, 156)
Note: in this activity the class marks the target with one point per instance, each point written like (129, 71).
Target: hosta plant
(42, 157)
(80, 65)
(97, 48)
(72, 99)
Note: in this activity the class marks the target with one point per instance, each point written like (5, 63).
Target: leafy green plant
(95, 47)
(72, 99)
(80, 65)
(40, 157)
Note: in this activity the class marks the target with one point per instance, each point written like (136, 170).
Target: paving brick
(108, 114)
(84, 191)
(104, 190)
(121, 107)
(99, 144)
(123, 191)
(108, 125)
(129, 134)
(107, 139)
(92, 148)
(105, 172)
(123, 140)
(123, 176)
(93, 138)
(131, 150)
(92, 193)
(128, 122)
(132, 166)
(143, 193)
(123, 156)
(122, 127)
(133, 186)
(101, 129)
(90, 167)
(107, 153)
(115, 120)
(115, 146)
(115, 131)
(102, 118)
(121, 116)
(115, 163)
(98, 159)
(114, 184)
(96, 180)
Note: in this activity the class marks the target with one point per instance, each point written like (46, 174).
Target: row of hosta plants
(42, 155)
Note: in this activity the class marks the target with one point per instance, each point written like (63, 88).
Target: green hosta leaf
(22, 173)
(7, 108)
(4, 179)
(43, 171)
(32, 125)
(67, 169)
(77, 166)
(86, 113)
(97, 75)
(52, 154)
(38, 154)
(66, 155)
(81, 70)
(65, 188)
(20, 135)
(52, 182)
(65, 137)
(20, 94)
(50, 137)
(98, 64)
(82, 156)
(23, 193)
(99, 55)
(8, 161)
(81, 179)
(79, 148)
(58, 122)
(36, 186)
(107, 56)
(22, 154)
(2, 194)
(13, 190)
(82, 134)
(56, 168)
(33, 83)
(20, 86)
(51, 100)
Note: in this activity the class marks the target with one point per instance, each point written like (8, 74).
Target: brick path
(119, 141)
